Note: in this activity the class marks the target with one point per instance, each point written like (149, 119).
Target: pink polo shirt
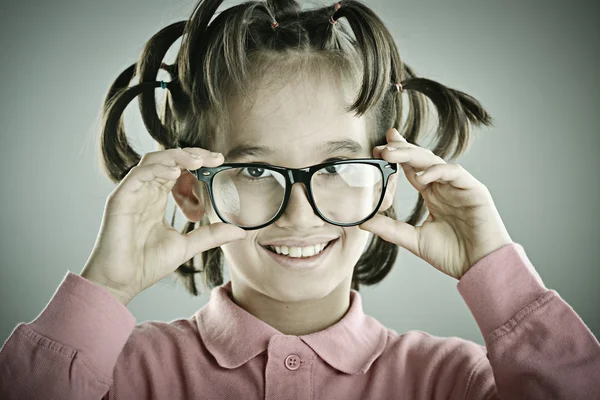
(85, 345)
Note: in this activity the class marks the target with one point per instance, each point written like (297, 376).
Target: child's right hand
(136, 247)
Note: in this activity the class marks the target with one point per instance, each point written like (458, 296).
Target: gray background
(532, 64)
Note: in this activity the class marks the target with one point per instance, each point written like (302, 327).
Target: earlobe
(187, 197)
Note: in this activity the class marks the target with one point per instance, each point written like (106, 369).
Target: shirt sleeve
(537, 346)
(70, 350)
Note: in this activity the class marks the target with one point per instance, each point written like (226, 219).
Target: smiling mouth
(272, 250)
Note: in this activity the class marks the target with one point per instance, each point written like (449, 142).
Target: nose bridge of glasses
(299, 175)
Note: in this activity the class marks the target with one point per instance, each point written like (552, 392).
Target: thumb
(390, 230)
(210, 236)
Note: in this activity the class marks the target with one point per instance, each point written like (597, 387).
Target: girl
(290, 96)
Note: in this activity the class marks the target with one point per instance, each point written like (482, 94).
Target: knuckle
(155, 167)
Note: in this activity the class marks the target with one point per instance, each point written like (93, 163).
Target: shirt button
(292, 362)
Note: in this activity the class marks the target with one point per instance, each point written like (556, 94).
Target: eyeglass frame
(296, 175)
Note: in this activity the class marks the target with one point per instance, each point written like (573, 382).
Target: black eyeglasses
(253, 195)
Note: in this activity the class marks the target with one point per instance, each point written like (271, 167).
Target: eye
(255, 172)
(334, 169)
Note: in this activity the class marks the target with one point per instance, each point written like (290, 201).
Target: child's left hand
(463, 224)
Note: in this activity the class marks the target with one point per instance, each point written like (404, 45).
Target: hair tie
(164, 66)
(398, 86)
(275, 24)
(163, 84)
(331, 20)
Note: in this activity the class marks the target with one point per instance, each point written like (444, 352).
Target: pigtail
(374, 45)
(118, 157)
(417, 106)
(456, 111)
(192, 57)
(150, 61)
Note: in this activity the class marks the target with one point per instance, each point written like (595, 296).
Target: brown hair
(244, 40)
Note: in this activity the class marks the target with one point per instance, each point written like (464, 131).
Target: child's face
(293, 122)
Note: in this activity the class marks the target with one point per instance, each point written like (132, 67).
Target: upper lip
(300, 242)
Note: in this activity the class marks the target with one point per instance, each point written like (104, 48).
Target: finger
(140, 175)
(210, 236)
(377, 150)
(188, 158)
(417, 157)
(394, 139)
(393, 135)
(454, 174)
(410, 172)
(390, 230)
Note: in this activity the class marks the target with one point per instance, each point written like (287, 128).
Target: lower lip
(302, 263)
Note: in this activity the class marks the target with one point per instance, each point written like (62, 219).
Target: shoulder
(156, 358)
(159, 342)
(427, 363)
(426, 352)
(416, 341)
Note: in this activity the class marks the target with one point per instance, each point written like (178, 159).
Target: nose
(298, 212)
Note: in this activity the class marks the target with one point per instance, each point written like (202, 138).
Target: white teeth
(297, 252)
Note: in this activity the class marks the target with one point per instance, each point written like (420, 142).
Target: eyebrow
(330, 147)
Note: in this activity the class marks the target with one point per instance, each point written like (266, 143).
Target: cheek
(243, 252)
(354, 243)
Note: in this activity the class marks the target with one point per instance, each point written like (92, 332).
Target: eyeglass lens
(252, 196)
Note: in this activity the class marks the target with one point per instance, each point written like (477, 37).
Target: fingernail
(383, 146)
(419, 173)
(391, 148)
(215, 155)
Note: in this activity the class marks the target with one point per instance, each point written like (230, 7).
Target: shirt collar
(233, 336)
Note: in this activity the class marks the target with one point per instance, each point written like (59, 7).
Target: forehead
(298, 122)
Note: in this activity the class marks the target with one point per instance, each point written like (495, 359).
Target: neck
(294, 318)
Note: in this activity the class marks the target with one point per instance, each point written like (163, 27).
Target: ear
(188, 197)
(390, 192)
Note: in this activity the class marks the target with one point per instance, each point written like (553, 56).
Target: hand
(463, 224)
(136, 247)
